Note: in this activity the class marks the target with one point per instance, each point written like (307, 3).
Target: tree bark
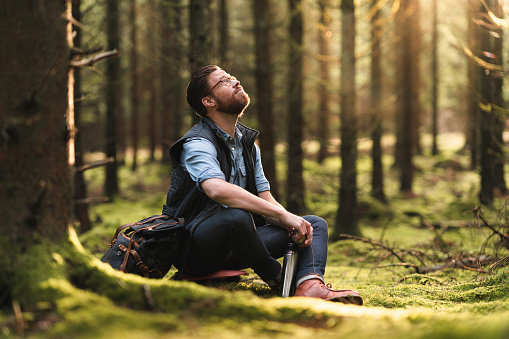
(347, 216)
(35, 188)
(112, 99)
(133, 65)
(434, 72)
(295, 182)
(80, 188)
(323, 87)
(264, 90)
(377, 183)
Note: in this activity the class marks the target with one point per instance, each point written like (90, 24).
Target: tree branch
(90, 61)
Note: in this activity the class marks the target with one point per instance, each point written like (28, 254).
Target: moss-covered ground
(66, 292)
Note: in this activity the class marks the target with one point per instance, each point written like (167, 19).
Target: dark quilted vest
(184, 199)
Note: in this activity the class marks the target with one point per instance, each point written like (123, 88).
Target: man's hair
(197, 88)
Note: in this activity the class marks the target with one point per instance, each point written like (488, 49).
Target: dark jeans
(230, 240)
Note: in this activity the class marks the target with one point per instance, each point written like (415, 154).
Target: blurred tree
(80, 188)
(324, 35)
(135, 83)
(295, 155)
(200, 36)
(472, 134)
(151, 78)
(347, 215)
(112, 97)
(434, 75)
(265, 89)
(490, 104)
(172, 86)
(408, 108)
(224, 34)
(377, 182)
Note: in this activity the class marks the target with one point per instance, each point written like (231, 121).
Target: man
(219, 188)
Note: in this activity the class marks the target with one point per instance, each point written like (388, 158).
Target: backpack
(148, 247)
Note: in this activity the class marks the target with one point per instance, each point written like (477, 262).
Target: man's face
(229, 94)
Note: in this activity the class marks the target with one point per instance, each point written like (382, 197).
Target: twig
(95, 164)
(90, 61)
(485, 222)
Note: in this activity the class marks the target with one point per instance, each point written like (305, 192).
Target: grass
(90, 300)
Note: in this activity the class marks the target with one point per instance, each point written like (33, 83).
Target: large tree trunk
(265, 89)
(35, 172)
(377, 184)
(323, 87)
(112, 99)
(347, 216)
(295, 182)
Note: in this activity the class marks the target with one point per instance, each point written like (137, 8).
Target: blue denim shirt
(199, 158)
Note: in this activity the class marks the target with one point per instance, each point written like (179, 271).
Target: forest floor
(427, 266)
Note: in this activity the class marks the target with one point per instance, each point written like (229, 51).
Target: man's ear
(208, 101)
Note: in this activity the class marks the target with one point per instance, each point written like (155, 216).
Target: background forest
(385, 117)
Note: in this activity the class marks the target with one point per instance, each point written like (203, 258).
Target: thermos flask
(290, 261)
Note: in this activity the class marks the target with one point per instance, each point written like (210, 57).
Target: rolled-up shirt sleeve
(262, 184)
(199, 158)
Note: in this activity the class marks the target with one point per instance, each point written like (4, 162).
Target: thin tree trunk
(499, 107)
(472, 138)
(200, 42)
(112, 99)
(347, 216)
(323, 87)
(224, 34)
(295, 182)
(265, 89)
(434, 72)
(133, 62)
(377, 184)
(405, 109)
(80, 188)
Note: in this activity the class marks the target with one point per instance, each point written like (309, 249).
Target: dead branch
(90, 61)
(478, 214)
(95, 164)
(91, 200)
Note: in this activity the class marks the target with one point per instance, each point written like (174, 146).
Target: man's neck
(227, 122)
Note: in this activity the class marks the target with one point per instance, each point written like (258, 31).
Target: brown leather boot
(315, 288)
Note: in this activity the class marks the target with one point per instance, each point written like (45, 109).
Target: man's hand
(304, 230)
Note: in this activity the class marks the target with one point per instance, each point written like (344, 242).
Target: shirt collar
(225, 135)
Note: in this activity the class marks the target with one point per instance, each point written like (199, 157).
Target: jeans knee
(319, 224)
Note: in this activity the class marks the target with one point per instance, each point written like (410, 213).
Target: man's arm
(236, 197)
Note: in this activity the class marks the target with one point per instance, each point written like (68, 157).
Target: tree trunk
(323, 87)
(112, 98)
(405, 108)
(377, 184)
(36, 186)
(264, 90)
(133, 65)
(472, 134)
(225, 52)
(499, 107)
(295, 182)
(347, 216)
(80, 188)
(492, 167)
(434, 72)
(200, 37)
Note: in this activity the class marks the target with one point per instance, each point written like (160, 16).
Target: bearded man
(218, 187)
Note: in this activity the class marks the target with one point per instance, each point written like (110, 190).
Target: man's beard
(234, 106)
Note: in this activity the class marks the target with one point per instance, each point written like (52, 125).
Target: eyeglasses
(226, 81)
